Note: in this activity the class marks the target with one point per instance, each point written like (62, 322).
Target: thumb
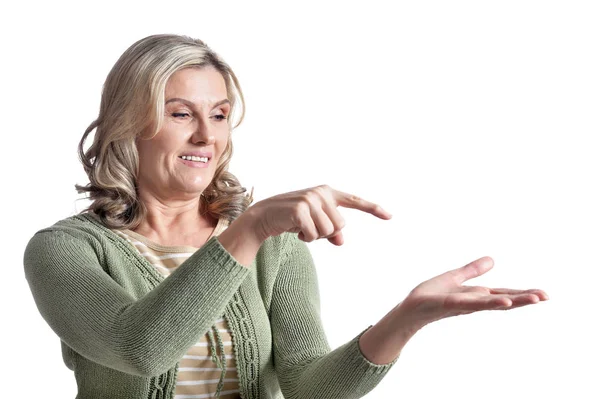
(337, 239)
(472, 270)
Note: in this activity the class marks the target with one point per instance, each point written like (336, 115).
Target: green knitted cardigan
(124, 327)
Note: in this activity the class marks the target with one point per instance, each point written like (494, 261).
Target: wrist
(406, 317)
(241, 241)
(383, 342)
(251, 221)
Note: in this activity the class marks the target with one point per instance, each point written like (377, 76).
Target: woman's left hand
(444, 295)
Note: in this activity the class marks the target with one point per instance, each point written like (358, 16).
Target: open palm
(445, 296)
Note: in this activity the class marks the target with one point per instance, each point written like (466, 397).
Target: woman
(170, 285)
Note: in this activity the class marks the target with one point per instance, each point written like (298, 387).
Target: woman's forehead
(196, 82)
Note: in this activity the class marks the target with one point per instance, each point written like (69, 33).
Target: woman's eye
(176, 114)
(184, 115)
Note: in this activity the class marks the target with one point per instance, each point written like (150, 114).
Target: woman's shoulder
(74, 230)
(77, 221)
(65, 238)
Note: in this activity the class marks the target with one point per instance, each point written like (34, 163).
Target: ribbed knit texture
(196, 378)
(124, 327)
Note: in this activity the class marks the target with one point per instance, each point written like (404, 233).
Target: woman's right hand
(310, 212)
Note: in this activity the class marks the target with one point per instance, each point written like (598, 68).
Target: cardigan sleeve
(100, 320)
(305, 364)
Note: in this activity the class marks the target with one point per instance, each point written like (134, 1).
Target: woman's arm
(99, 319)
(437, 298)
(383, 342)
(305, 365)
(240, 238)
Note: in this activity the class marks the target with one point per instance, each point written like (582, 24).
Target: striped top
(198, 376)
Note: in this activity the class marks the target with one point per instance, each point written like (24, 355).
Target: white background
(473, 122)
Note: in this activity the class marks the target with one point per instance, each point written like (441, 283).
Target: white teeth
(194, 158)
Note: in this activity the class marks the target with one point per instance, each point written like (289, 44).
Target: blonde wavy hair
(132, 104)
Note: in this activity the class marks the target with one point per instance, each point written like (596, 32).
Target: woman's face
(195, 120)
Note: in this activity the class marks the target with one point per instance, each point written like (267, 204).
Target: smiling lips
(195, 164)
(198, 154)
(194, 158)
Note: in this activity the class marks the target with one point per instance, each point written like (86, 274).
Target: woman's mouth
(195, 162)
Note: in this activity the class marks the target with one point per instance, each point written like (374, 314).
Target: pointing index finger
(354, 201)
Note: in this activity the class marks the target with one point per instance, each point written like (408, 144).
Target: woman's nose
(203, 134)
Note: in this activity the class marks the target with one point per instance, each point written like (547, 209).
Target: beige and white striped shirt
(198, 375)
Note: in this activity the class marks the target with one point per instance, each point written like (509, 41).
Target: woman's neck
(187, 228)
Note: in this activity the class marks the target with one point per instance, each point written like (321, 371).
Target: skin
(170, 189)
(313, 214)
(440, 297)
(171, 192)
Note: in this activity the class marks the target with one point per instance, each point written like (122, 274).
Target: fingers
(522, 300)
(539, 293)
(515, 301)
(320, 218)
(325, 220)
(492, 302)
(353, 201)
(533, 294)
(460, 303)
(336, 221)
(306, 223)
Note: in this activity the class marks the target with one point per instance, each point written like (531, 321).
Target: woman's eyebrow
(191, 104)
